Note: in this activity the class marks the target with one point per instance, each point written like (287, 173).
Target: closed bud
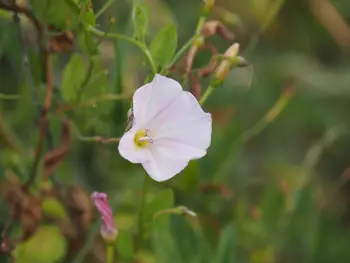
(108, 230)
(226, 64)
(180, 210)
(242, 62)
(209, 3)
(207, 6)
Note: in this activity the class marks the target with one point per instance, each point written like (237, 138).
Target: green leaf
(48, 245)
(272, 206)
(88, 13)
(73, 77)
(140, 20)
(225, 251)
(89, 18)
(163, 243)
(164, 45)
(54, 208)
(161, 239)
(186, 241)
(125, 246)
(86, 42)
(57, 13)
(187, 181)
(163, 200)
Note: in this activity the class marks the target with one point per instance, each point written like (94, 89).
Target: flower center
(142, 138)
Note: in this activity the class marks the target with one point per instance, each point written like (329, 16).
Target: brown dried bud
(215, 27)
(62, 43)
(226, 64)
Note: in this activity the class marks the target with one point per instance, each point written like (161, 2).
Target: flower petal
(162, 166)
(153, 98)
(128, 149)
(180, 149)
(184, 122)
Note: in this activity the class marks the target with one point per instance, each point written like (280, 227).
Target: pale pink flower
(108, 229)
(169, 129)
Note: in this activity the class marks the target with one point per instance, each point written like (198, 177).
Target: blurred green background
(270, 189)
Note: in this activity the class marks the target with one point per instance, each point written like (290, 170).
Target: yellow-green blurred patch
(46, 246)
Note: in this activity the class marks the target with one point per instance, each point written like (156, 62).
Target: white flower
(169, 129)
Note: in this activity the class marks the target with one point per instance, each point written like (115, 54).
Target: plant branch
(104, 8)
(140, 228)
(23, 10)
(43, 120)
(268, 118)
(93, 101)
(140, 45)
(9, 96)
(92, 138)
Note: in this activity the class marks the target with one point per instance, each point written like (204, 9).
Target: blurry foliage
(271, 189)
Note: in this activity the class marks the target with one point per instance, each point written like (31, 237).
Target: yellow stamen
(141, 138)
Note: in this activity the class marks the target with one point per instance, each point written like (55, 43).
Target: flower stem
(110, 254)
(92, 101)
(206, 94)
(188, 44)
(93, 138)
(9, 97)
(88, 243)
(145, 188)
(200, 24)
(104, 8)
(140, 45)
(267, 119)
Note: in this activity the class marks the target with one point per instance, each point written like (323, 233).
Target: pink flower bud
(108, 229)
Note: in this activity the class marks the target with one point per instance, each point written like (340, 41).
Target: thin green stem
(145, 188)
(188, 44)
(91, 66)
(206, 94)
(182, 51)
(104, 8)
(93, 138)
(109, 254)
(89, 241)
(140, 45)
(93, 101)
(268, 118)
(9, 97)
(200, 24)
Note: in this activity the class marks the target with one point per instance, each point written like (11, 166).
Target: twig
(9, 97)
(331, 19)
(8, 136)
(23, 10)
(140, 45)
(92, 64)
(43, 121)
(93, 101)
(93, 138)
(104, 8)
(88, 244)
(268, 118)
(140, 223)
